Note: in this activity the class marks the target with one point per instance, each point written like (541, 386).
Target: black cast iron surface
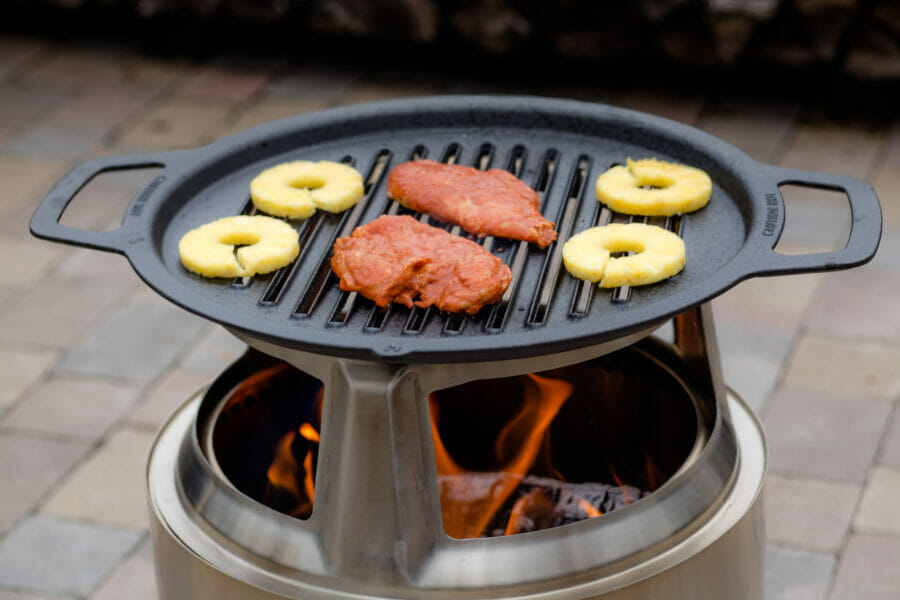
(557, 146)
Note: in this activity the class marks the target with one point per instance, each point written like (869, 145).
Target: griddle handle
(865, 225)
(45, 221)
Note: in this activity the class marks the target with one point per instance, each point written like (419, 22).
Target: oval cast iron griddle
(557, 146)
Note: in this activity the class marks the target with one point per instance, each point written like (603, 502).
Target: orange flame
(309, 432)
(282, 472)
(468, 499)
(588, 508)
(285, 474)
(626, 496)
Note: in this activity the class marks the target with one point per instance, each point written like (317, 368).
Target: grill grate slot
(283, 276)
(455, 322)
(318, 284)
(378, 316)
(243, 282)
(623, 293)
(553, 261)
(419, 317)
(497, 317)
(584, 290)
(347, 300)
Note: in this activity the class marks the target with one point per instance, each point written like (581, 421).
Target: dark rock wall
(857, 37)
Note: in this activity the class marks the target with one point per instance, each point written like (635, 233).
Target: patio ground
(92, 362)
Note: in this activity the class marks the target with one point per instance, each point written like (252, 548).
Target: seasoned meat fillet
(399, 259)
(492, 202)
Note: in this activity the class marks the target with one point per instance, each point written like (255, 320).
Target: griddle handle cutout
(45, 221)
(865, 226)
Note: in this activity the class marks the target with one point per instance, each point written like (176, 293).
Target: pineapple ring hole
(237, 240)
(624, 246)
(308, 182)
(654, 181)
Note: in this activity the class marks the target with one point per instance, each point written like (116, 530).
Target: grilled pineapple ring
(295, 189)
(658, 254)
(654, 187)
(268, 244)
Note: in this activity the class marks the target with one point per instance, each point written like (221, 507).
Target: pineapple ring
(658, 254)
(675, 188)
(268, 244)
(295, 189)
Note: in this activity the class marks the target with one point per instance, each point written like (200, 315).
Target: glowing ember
(589, 510)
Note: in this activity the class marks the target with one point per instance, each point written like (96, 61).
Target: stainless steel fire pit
(375, 529)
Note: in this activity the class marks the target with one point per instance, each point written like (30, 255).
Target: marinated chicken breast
(492, 202)
(399, 259)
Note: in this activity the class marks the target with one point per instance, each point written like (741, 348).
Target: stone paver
(136, 342)
(167, 395)
(111, 270)
(796, 574)
(58, 556)
(270, 110)
(15, 51)
(879, 511)
(757, 129)
(31, 466)
(20, 104)
(38, 317)
(823, 435)
(322, 82)
(887, 180)
(849, 367)
(814, 335)
(216, 83)
(860, 303)
(216, 350)
(108, 488)
(24, 260)
(868, 569)
(21, 369)
(119, 102)
(890, 451)
(845, 149)
(374, 90)
(769, 302)
(57, 141)
(177, 123)
(134, 578)
(76, 66)
(160, 72)
(685, 108)
(25, 181)
(753, 357)
(82, 408)
(7, 595)
(809, 514)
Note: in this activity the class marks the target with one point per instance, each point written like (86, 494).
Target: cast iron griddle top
(557, 146)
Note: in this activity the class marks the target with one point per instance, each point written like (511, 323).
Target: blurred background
(92, 361)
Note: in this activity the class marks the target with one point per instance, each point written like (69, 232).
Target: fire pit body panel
(376, 531)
